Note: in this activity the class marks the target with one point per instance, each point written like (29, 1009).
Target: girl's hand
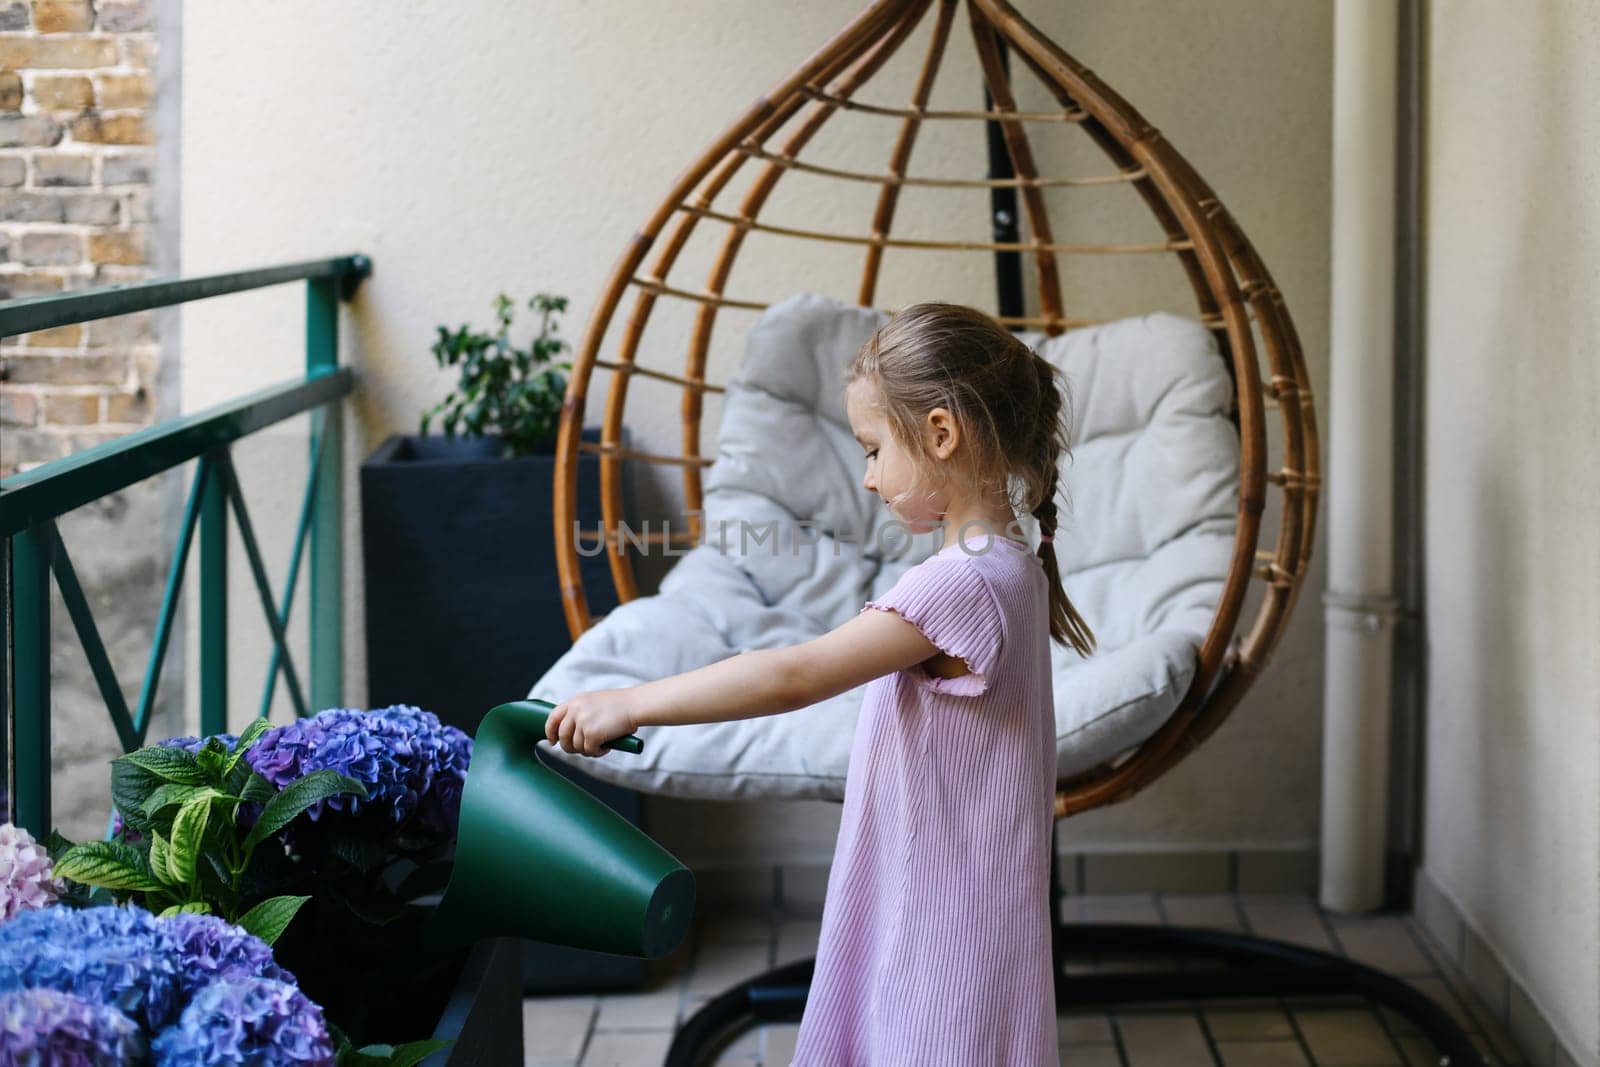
(587, 721)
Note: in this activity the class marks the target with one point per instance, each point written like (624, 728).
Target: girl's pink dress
(935, 942)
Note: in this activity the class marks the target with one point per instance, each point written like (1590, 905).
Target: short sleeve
(951, 603)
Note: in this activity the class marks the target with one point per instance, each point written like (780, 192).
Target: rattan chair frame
(1235, 296)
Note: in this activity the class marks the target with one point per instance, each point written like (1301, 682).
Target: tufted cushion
(794, 546)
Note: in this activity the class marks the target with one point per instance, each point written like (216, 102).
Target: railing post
(213, 602)
(327, 524)
(29, 632)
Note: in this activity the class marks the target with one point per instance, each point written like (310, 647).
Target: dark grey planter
(464, 609)
(483, 1018)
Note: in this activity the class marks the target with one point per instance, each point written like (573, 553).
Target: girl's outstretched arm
(760, 682)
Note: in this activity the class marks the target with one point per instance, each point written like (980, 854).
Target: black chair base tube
(1251, 967)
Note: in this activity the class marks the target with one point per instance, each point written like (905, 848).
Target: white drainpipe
(1360, 602)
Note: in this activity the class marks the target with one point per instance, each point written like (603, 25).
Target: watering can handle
(541, 710)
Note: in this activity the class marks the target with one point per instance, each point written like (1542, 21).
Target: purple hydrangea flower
(46, 1026)
(213, 949)
(248, 1021)
(408, 761)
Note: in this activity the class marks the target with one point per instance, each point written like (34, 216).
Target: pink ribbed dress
(935, 941)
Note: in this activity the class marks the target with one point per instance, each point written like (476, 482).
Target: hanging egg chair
(715, 265)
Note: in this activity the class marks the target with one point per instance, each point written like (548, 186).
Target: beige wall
(1513, 498)
(469, 148)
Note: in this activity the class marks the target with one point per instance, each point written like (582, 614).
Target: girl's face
(890, 471)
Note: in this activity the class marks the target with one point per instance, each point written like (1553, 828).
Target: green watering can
(538, 857)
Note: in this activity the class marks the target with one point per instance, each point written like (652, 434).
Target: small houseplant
(510, 393)
(463, 603)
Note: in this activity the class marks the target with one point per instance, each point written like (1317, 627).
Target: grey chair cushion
(1148, 518)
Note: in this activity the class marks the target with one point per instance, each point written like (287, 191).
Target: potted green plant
(507, 397)
(463, 604)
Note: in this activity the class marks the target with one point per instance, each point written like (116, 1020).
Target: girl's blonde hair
(1010, 403)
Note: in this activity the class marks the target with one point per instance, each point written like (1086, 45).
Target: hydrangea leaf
(188, 831)
(194, 907)
(166, 795)
(251, 734)
(257, 790)
(406, 1055)
(269, 918)
(167, 763)
(130, 785)
(161, 858)
(296, 797)
(109, 865)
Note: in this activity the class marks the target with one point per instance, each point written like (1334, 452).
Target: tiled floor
(634, 1029)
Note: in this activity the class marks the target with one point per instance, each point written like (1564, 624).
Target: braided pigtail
(1050, 446)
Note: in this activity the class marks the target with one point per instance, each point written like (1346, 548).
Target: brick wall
(77, 163)
(77, 197)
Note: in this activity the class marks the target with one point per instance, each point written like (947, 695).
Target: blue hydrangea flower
(127, 958)
(45, 1026)
(246, 1022)
(108, 955)
(192, 745)
(408, 761)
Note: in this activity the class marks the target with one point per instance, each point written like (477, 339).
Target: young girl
(935, 940)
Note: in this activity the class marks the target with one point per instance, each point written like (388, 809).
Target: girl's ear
(943, 434)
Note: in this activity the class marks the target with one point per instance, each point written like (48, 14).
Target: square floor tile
(1111, 908)
(1262, 1054)
(1083, 1030)
(1386, 943)
(1258, 1024)
(640, 1011)
(621, 1049)
(555, 1028)
(719, 966)
(1294, 920)
(1347, 1039)
(1206, 912)
(797, 940)
(1173, 1039)
(778, 1044)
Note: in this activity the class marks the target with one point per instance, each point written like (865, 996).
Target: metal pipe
(1360, 603)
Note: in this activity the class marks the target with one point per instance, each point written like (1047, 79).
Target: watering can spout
(540, 858)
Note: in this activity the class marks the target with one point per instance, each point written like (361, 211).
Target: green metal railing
(34, 551)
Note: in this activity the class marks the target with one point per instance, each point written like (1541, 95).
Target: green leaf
(188, 831)
(161, 858)
(296, 797)
(107, 864)
(269, 918)
(194, 907)
(361, 851)
(211, 757)
(130, 785)
(251, 735)
(407, 1055)
(257, 789)
(56, 845)
(167, 794)
(168, 764)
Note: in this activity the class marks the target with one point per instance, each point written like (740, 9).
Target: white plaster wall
(470, 148)
(1512, 493)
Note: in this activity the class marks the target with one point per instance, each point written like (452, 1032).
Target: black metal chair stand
(1233, 966)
